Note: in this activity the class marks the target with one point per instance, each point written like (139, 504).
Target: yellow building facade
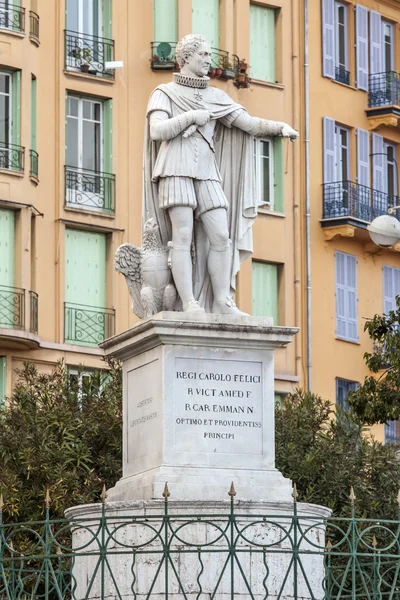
(71, 147)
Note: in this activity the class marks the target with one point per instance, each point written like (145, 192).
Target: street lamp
(385, 230)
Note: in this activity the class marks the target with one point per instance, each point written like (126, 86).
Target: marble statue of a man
(199, 179)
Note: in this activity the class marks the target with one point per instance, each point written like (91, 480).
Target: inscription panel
(218, 406)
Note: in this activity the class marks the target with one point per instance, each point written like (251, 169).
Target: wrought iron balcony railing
(34, 26)
(12, 157)
(92, 190)
(12, 307)
(169, 554)
(88, 53)
(350, 199)
(87, 325)
(34, 167)
(342, 76)
(163, 56)
(34, 312)
(384, 89)
(12, 17)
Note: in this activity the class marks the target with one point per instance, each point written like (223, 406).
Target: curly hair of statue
(187, 46)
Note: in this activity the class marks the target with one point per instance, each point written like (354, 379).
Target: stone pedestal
(199, 407)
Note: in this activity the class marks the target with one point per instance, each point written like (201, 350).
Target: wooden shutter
(363, 157)
(265, 290)
(328, 38)
(165, 20)
(362, 47)
(3, 380)
(346, 296)
(16, 108)
(262, 43)
(378, 178)
(107, 20)
(85, 269)
(205, 20)
(391, 287)
(329, 150)
(375, 38)
(279, 195)
(33, 113)
(7, 245)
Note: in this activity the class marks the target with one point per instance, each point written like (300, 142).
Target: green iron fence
(200, 556)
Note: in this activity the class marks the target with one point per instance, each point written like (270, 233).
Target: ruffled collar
(199, 83)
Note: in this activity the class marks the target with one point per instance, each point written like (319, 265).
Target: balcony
(88, 54)
(12, 157)
(163, 56)
(34, 166)
(348, 205)
(384, 99)
(13, 329)
(12, 17)
(87, 325)
(342, 76)
(89, 190)
(34, 27)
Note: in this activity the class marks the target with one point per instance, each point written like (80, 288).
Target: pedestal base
(198, 550)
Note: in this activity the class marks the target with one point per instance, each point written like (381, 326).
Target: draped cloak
(234, 155)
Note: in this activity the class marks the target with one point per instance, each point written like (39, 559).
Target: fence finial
(374, 542)
(47, 499)
(103, 493)
(352, 495)
(328, 546)
(232, 491)
(294, 493)
(1, 502)
(166, 493)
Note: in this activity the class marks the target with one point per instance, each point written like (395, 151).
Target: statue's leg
(215, 223)
(182, 228)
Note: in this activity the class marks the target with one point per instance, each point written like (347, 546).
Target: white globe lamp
(384, 231)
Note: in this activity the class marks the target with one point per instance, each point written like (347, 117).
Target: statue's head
(193, 54)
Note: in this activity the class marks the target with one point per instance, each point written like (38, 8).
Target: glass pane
(73, 107)
(4, 83)
(73, 15)
(342, 46)
(265, 149)
(87, 110)
(72, 143)
(389, 153)
(4, 119)
(97, 111)
(91, 146)
(87, 17)
(265, 195)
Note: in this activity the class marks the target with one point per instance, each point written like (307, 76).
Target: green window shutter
(33, 113)
(7, 244)
(265, 290)
(85, 269)
(279, 196)
(107, 19)
(165, 20)
(107, 136)
(16, 108)
(16, 3)
(205, 20)
(3, 381)
(262, 43)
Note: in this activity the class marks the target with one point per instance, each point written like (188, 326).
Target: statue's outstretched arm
(163, 128)
(263, 128)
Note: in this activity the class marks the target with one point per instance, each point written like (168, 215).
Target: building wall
(42, 218)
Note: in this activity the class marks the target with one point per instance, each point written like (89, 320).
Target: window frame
(260, 173)
(81, 4)
(351, 385)
(385, 23)
(338, 152)
(81, 119)
(338, 5)
(10, 106)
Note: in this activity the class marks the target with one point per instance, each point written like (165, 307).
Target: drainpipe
(307, 193)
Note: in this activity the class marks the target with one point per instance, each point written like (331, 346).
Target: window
(89, 180)
(342, 145)
(343, 387)
(392, 432)
(262, 43)
(384, 173)
(85, 287)
(335, 40)
(268, 157)
(11, 154)
(265, 290)
(341, 66)
(34, 166)
(346, 296)
(11, 298)
(336, 152)
(391, 287)
(387, 46)
(11, 15)
(381, 44)
(80, 380)
(205, 20)
(3, 381)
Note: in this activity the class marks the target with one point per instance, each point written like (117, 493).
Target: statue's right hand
(201, 117)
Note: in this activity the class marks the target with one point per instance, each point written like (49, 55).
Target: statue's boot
(181, 264)
(219, 268)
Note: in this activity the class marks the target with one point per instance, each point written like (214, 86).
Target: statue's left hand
(288, 132)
